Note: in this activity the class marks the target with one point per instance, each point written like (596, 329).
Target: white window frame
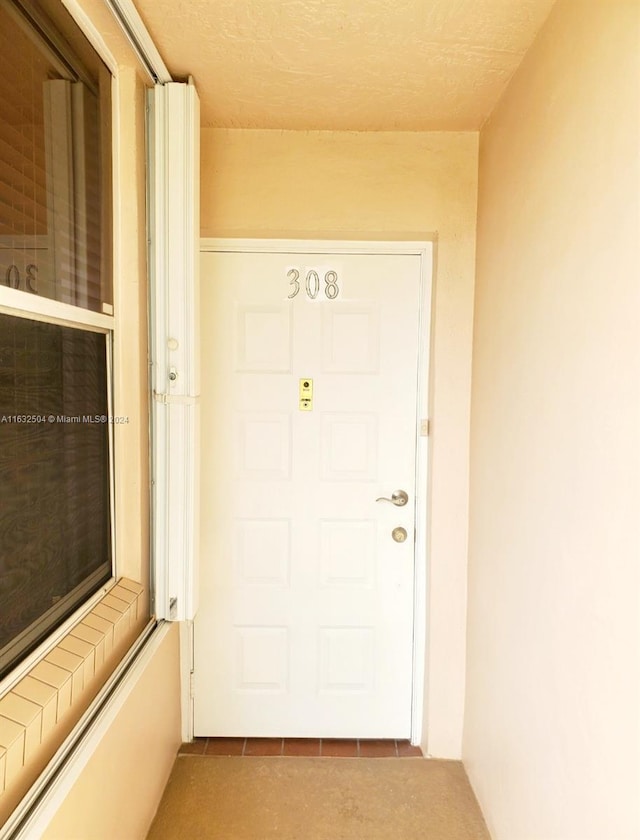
(21, 304)
(34, 813)
(24, 304)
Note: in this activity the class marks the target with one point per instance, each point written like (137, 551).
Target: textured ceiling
(367, 65)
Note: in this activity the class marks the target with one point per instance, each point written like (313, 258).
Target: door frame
(424, 250)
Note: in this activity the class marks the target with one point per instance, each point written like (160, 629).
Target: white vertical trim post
(175, 375)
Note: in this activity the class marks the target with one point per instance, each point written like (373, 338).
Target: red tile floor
(301, 747)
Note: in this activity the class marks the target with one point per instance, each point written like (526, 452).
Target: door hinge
(192, 685)
(425, 427)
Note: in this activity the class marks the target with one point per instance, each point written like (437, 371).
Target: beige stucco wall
(552, 713)
(382, 185)
(130, 373)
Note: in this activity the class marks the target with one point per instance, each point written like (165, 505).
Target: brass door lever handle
(398, 498)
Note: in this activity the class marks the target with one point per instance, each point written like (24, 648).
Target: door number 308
(313, 284)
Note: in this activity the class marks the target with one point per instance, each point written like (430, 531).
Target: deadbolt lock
(399, 534)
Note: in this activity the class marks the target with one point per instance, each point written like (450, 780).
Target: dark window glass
(55, 530)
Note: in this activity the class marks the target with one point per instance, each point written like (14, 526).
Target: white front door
(309, 381)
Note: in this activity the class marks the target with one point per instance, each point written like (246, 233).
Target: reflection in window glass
(54, 165)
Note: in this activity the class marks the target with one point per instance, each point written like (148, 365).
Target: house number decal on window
(27, 281)
(312, 284)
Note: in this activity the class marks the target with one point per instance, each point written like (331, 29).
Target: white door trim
(425, 251)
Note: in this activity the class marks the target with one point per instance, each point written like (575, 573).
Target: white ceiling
(365, 65)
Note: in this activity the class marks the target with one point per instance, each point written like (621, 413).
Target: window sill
(39, 711)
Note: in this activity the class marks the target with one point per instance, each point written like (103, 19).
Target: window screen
(55, 530)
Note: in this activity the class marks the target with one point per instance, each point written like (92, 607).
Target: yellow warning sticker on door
(306, 395)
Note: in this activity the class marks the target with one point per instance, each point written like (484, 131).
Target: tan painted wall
(131, 386)
(368, 185)
(117, 794)
(552, 734)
